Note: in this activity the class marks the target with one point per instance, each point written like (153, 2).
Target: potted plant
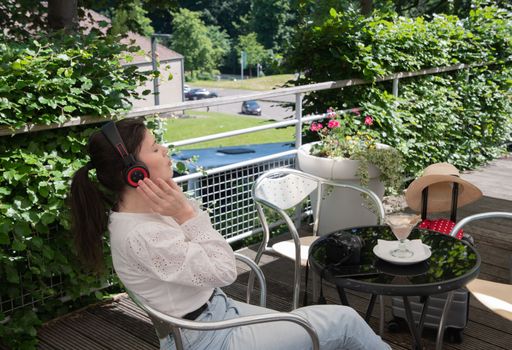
(348, 152)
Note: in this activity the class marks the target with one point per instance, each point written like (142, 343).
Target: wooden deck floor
(119, 324)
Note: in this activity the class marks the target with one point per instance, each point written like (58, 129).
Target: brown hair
(89, 204)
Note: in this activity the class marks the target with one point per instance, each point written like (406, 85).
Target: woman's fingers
(151, 191)
(146, 197)
(173, 184)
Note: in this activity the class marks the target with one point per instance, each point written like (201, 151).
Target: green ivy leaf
(22, 229)
(12, 274)
(37, 242)
(18, 245)
(4, 238)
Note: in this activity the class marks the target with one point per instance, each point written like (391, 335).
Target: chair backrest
(284, 188)
(162, 328)
(165, 324)
(177, 323)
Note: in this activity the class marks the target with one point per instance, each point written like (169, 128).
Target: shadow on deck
(119, 324)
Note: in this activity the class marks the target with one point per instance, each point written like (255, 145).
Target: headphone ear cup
(135, 173)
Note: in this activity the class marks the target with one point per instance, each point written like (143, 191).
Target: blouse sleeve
(192, 254)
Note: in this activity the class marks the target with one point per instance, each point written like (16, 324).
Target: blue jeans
(338, 327)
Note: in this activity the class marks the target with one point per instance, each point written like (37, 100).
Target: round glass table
(452, 265)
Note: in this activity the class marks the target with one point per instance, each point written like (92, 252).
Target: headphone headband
(133, 171)
(112, 134)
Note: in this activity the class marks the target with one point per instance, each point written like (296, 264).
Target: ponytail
(89, 219)
(90, 205)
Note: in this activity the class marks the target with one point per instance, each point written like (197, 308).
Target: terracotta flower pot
(343, 208)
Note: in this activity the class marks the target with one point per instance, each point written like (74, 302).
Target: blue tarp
(214, 157)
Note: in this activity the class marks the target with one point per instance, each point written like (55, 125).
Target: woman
(166, 251)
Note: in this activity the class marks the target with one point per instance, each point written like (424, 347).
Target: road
(270, 109)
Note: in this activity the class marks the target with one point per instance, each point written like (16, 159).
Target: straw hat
(439, 178)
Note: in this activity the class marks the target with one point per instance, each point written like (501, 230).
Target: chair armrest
(236, 322)
(488, 215)
(261, 277)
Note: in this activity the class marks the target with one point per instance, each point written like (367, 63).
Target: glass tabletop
(452, 264)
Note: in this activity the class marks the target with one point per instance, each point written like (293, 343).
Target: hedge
(46, 82)
(461, 117)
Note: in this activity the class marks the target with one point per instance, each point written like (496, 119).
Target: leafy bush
(462, 117)
(50, 82)
(44, 83)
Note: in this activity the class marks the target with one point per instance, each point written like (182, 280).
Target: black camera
(343, 248)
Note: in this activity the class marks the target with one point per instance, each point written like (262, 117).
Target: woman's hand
(166, 198)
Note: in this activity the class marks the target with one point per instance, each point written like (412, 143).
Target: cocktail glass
(402, 224)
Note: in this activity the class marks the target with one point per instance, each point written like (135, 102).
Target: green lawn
(260, 84)
(208, 123)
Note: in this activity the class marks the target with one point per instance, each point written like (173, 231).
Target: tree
(226, 14)
(256, 53)
(26, 19)
(220, 43)
(190, 38)
(131, 17)
(62, 14)
(273, 22)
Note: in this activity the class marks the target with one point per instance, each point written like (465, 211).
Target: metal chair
(495, 296)
(165, 324)
(282, 189)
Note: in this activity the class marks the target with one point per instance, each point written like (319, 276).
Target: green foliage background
(45, 83)
(462, 117)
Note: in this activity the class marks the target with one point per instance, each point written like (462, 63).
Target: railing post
(154, 64)
(395, 87)
(298, 143)
(298, 116)
(156, 93)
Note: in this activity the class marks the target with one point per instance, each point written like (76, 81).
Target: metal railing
(225, 191)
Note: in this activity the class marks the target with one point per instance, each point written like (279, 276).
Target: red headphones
(133, 170)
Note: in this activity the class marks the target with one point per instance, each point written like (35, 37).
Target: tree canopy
(203, 46)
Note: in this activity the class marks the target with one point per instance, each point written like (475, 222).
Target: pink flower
(316, 127)
(331, 113)
(356, 111)
(333, 124)
(368, 120)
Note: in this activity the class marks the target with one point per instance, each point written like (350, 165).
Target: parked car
(198, 94)
(251, 107)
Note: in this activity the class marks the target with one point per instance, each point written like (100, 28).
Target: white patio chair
(165, 324)
(284, 188)
(495, 296)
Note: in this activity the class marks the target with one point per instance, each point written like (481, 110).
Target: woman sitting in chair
(166, 251)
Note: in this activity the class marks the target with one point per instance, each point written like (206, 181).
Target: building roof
(164, 53)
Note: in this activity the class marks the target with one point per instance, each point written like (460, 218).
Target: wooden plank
(135, 323)
(122, 324)
(108, 333)
(60, 336)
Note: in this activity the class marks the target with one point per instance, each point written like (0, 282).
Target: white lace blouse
(172, 267)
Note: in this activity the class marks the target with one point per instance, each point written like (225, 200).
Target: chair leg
(342, 295)
(296, 287)
(250, 284)
(305, 299)
(510, 269)
(316, 286)
(382, 315)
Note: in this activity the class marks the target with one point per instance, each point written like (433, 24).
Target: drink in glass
(402, 224)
